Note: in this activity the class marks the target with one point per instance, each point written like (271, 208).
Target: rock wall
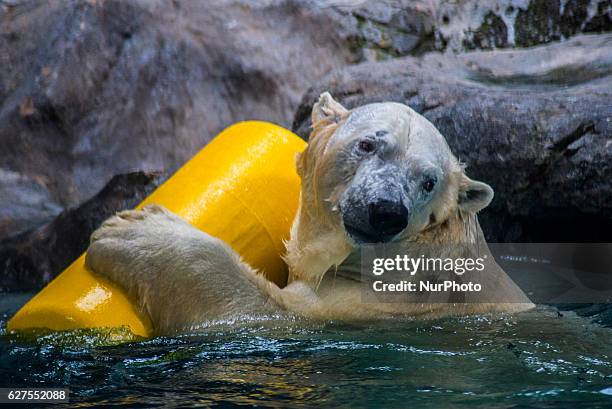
(94, 88)
(32, 259)
(536, 124)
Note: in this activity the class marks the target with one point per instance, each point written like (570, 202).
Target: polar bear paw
(129, 247)
(127, 223)
(179, 275)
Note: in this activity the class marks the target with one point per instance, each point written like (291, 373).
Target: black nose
(388, 218)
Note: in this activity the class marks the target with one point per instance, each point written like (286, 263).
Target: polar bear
(380, 173)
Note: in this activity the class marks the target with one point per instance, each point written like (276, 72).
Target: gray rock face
(93, 89)
(474, 24)
(24, 203)
(536, 124)
(90, 89)
(379, 30)
(33, 258)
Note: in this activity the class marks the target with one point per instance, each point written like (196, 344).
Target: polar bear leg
(180, 276)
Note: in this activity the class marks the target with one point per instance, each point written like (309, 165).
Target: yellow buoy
(242, 188)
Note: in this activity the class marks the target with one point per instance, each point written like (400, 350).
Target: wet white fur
(183, 278)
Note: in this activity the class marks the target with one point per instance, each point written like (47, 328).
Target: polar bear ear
(473, 195)
(327, 111)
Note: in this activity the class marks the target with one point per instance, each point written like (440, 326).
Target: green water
(535, 360)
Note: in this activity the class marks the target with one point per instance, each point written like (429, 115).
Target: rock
(536, 124)
(598, 313)
(33, 258)
(90, 89)
(493, 33)
(379, 30)
(24, 203)
(474, 24)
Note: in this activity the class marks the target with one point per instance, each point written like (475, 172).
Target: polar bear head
(382, 173)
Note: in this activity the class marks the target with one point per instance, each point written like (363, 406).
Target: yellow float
(242, 188)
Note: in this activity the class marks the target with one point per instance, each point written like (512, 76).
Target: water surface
(539, 359)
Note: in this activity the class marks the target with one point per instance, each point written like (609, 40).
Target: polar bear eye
(366, 145)
(429, 184)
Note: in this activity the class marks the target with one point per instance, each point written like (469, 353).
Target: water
(537, 360)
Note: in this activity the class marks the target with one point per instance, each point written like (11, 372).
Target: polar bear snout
(388, 218)
(378, 221)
